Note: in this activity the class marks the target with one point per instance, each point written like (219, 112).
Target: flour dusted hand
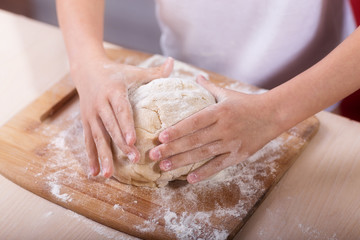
(229, 132)
(106, 112)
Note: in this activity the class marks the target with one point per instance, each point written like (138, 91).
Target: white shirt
(262, 42)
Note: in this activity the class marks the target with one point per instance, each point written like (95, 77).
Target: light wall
(129, 23)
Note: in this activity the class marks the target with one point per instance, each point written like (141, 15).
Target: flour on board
(61, 161)
(188, 225)
(69, 159)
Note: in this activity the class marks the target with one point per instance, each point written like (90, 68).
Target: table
(316, 199)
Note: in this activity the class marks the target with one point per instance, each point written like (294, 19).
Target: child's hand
(230, 131)
(105, 108)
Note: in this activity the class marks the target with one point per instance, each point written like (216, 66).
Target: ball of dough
(156, 106)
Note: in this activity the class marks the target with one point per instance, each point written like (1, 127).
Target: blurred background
(132, 24)
(128, 23)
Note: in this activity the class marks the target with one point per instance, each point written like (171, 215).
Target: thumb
(167, 67)
(161, 71)
(216, 91)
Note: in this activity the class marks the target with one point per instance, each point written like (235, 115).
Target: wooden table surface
(317, 198)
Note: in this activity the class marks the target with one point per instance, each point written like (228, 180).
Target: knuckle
(109, 125)
(166, 150)
(172, 133)
(194, 140)
(156, 71)
(120, 109)
(219, 164)
(97, 139)
(205, 151)
(196, 121)
(117, 91)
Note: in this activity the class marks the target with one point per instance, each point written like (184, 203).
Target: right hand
(106, 112)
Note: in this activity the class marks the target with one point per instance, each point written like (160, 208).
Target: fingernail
(164, 137)
(192, 178)
(131, 156)
(165, 165)
(155, 154)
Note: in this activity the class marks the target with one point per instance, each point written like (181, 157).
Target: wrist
(84, 70)
(84, 59)
(278, 112)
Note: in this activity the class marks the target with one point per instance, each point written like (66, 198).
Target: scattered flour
(55, 190)
(65, 169)
(244, 182)
(312, 233)
(148, 225)
(186, 226)
(182, 210)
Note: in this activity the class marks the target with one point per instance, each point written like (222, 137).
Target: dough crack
(159, 117)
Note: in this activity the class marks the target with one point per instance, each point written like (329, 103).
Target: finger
(167, 67)
(218, 92)
(195, 122)
(124, 116)
(214, 166)
(184, 144)
(197, 155)
(158, 72)
(91, 150)
(122, 140)
(111, 125)
(102, 142)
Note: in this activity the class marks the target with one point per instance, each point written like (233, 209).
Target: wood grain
(42, 150)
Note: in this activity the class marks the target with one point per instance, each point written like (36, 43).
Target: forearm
(330, 80)
(82, 23)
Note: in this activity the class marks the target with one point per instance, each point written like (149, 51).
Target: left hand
(229, 132)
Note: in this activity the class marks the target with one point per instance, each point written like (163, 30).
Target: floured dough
(156, 106)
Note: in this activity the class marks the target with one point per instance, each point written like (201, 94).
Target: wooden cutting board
(42, 150)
